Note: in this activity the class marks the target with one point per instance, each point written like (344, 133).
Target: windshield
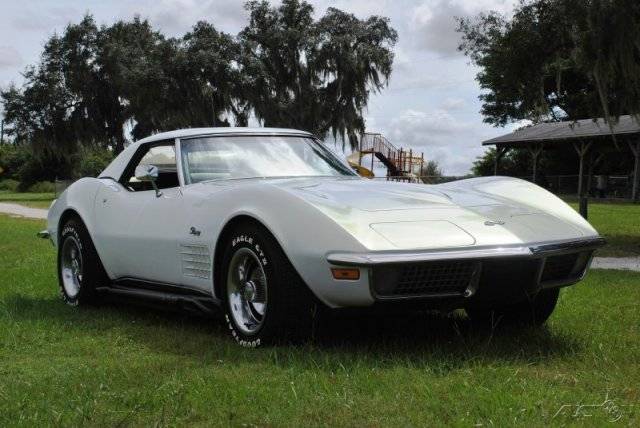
(232, 157)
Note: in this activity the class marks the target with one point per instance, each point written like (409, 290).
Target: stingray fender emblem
(493, 222)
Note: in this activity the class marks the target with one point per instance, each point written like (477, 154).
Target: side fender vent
(196, 261)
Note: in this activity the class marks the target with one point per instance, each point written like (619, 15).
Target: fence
(616, 187)
(424, 179)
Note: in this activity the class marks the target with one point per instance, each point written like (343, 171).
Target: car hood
(385, 215)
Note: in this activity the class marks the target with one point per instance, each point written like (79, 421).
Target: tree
(213, 82)
(313, 75)
(557, 60)
(39, 113)
(95, 86)
(515, 163)
(132, 57)
(100, 112)
(431, 172)
(432, 169)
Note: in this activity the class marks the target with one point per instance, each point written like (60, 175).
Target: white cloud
(176, 17)
(360, 8)
(433, 22)
(44, 19)
(9, 57)
(451, 104)
(434, 26)
(413, 127)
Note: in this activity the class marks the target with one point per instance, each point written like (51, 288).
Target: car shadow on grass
(418, 338)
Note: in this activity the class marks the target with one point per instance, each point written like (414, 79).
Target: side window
(163, 157)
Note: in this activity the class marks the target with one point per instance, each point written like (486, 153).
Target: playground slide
(362, 171)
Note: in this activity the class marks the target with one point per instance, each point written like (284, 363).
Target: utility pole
(1, 131)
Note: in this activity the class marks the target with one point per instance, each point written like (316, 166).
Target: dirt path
(621, 263)
(22, 211)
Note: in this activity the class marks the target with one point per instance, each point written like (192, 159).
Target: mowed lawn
(33, 200)
(120, 365)
(620, 224)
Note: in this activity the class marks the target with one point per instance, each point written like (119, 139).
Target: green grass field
(119, 365)
(620, 224)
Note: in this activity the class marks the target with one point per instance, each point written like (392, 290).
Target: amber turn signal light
(341, 273)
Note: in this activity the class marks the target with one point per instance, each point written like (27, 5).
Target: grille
(559, 267)
(425, 279)
(196, 261)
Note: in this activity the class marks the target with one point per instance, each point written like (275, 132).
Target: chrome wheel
(247, 291)
(71, 264)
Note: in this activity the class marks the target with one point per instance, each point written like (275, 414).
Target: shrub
(30, 168)
(9, 184)
(44, 166)
(92, 161)
(12, 159)
(42, 187)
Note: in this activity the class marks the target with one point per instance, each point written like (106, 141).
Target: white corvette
(268, 224)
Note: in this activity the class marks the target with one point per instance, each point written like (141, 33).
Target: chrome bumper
(531, 251)
(44, 234)
(473, 276)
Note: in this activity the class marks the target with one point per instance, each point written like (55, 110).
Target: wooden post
(410, 161)
(360, 150)
(404, 161)
(373, 156)
(582, 150)
(635, 149)
(535, 151)
(500, 151)
(592, 164)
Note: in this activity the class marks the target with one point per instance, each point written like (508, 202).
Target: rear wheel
(265, 300)
(531, 312)
(79, 268)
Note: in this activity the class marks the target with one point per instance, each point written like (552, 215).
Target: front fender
(79, 197)
(305, 234)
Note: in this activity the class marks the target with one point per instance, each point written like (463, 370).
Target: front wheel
(79, 268)
(265, 300)
(531, 312)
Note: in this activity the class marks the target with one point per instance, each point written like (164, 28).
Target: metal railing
(376, 143)
(397, 160)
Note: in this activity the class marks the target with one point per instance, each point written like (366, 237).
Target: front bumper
(474, 275)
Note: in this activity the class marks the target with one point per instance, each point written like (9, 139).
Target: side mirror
(148, 173)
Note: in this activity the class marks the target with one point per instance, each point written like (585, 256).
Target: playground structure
(401, 164)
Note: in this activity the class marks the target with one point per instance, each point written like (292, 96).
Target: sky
(430, 105)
